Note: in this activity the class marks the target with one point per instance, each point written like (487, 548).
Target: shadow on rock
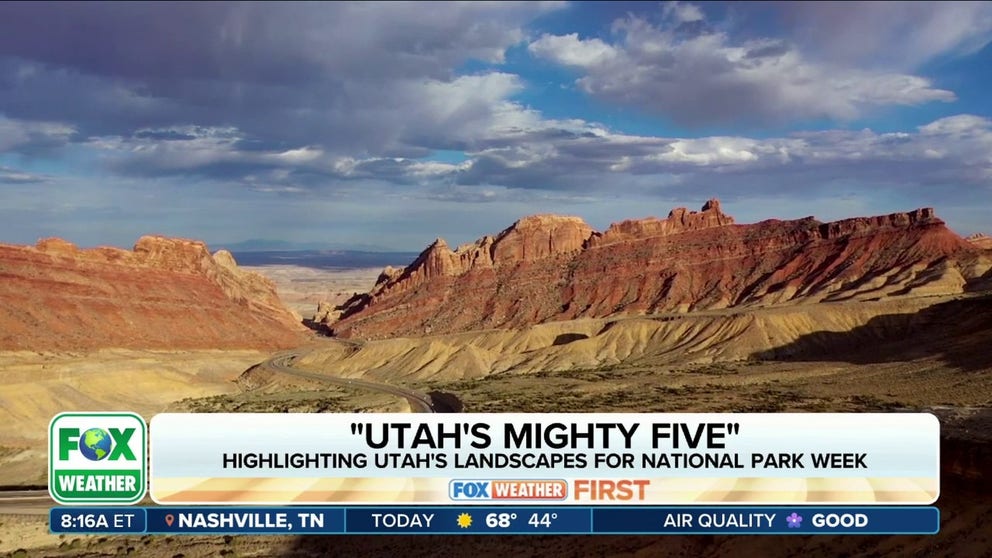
(566, 338)
(957, 332)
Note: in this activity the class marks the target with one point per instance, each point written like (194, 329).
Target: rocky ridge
(546, 267)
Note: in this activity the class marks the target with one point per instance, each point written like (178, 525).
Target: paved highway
(25, 502)
(283, 364)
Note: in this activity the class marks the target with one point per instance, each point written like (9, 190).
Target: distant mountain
(323, 259)
(547, 267)
(268, 244)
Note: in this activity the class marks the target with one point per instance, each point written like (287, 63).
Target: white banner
(562, 458)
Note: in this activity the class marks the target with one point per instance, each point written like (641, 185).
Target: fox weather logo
(97, 458)
(95, 443)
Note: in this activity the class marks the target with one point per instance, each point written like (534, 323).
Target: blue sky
(388, 124)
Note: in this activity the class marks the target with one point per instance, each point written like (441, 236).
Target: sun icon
(464, 521)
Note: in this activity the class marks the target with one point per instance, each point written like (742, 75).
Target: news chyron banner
(553, 459)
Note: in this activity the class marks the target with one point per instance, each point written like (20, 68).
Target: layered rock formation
(553, 268)
(679, 220)
(167, 293)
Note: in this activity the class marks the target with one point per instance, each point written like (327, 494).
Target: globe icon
(94, 444)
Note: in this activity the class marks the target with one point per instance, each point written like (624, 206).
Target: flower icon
(795, 520)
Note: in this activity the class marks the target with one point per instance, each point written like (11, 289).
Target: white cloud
(706, 78)
(301, 155)
(710, 151)
(956, 125)
(436, 168)
(572, 51)
(682, 12)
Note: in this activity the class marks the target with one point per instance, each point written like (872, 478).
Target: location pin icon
(169, 519)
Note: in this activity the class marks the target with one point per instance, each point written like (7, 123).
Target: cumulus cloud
(699, 76)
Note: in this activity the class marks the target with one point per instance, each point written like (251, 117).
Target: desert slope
(790, 332)
(167, 293)
(546, 268)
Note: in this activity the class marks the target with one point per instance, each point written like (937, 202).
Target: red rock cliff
(530, 239)
(552, 268)
(167, 293)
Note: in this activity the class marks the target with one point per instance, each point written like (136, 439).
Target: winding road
(38, 502)
(282, 363)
